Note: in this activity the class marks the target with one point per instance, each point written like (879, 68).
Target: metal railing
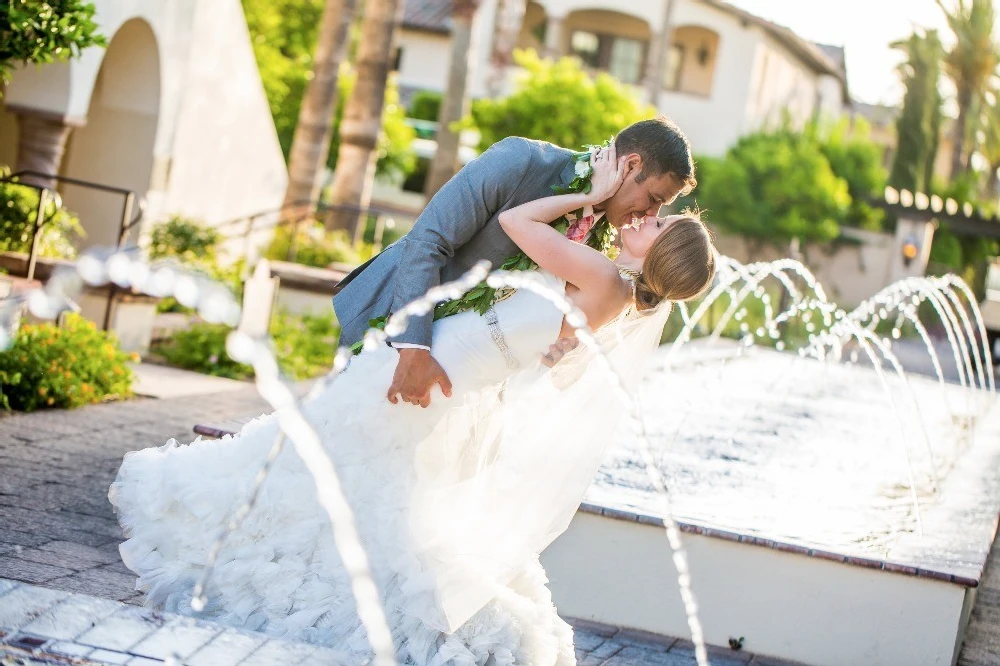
(133, 208)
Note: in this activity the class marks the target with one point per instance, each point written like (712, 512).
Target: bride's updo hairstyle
(680, 264)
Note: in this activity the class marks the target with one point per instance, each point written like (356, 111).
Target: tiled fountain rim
(626, 515)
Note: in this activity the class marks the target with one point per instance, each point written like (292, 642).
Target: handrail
(65, 179)
(133, 209)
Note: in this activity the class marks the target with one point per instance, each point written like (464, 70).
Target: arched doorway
(115, 146)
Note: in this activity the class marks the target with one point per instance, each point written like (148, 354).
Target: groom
(459, 227)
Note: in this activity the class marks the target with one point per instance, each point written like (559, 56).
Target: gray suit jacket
(457, 228)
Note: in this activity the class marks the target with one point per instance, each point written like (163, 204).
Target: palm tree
(455, 103)
(311, 143)
(970, 64)
(509, 20)
(990, 147)
(362, 122)
(918, 125)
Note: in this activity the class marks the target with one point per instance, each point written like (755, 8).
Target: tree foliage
(40, 31)
(855, 158)
(919, 123)
(558, 101)
(971, 64)
(774, 186)
(284, 34)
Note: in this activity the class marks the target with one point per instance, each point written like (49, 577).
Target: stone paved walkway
(57, 529)
(56, 526)
(982, 638)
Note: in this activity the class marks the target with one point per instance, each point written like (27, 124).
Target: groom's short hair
(663, 148)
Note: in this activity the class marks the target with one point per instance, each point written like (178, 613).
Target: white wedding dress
(453, 503)
(280, 573)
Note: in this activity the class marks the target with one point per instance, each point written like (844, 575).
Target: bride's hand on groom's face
(609, 173)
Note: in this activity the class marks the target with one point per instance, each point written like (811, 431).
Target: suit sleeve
(454, 215)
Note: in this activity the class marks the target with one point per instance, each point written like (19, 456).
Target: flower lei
(482, 296)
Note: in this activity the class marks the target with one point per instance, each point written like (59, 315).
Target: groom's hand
(416, 373)
(558, 349)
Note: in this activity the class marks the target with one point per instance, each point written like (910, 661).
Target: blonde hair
(680, 264)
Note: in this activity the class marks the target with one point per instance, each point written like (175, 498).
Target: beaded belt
(493, 323)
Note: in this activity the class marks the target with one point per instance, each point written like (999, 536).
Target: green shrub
(196, 248)
(18, 210)
(426, 105)
(202, 348)
(773, 186)
(314, 245)
(855, 158)
(558, 101)
(65, 367)
(184, 239)
(303, 344)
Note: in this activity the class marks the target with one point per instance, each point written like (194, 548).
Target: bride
(453, 503)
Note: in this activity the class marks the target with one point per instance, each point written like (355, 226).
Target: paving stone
(226, 649)
(31, 572)
(76, 551)
(123, 629)
(143, 661)
(54, 559)
(97, 583)
(607, 649)
(586, 641)
(118, 568)
(180, 637)
(109, 656)
(70, 649)
(14, 537)
(67, 620)
(640, 656)
(24, 603)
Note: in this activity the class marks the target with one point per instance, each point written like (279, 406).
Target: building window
(625, 62)
(587, 47)
(620, 56)
(675, 64)
(398, 61)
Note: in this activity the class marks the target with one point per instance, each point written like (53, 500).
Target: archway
(115, 146)
(690, 68)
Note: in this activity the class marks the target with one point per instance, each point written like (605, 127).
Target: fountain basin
(791, 480)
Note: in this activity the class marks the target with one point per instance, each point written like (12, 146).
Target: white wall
(225, 159)
(714, 123)
(780, 83)
(214, 152)
(794, 607)
(425, 60)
